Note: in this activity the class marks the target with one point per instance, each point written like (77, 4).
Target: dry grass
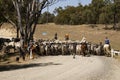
(94, 35)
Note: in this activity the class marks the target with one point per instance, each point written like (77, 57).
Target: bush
(118, 26)
(92, 25)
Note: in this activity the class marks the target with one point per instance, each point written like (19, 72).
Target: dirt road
(65, 68)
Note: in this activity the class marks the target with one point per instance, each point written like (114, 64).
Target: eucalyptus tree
(28, 13)
(23, 14)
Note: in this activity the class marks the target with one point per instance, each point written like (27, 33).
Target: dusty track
(66, 68)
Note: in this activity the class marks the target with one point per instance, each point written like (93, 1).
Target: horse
(107, 50)
(84, 49)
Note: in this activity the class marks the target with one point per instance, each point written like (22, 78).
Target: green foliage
(118, 26)
(87, 16)
(102, 18)
(7, 11)
(99, 11)
(46, 17)
(70, 15)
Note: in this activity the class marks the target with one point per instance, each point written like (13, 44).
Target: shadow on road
(22, 66)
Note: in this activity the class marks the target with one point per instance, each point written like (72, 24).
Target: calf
(114, 52)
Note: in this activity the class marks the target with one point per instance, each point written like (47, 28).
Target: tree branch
(1, 24)
(10, 21)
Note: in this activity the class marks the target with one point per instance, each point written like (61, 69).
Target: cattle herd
(53, 47)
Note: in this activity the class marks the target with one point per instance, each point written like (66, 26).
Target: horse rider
(83, 40)
(107, 42)
(56, 36)
(66, 36)
(84, 47)
(107, 47)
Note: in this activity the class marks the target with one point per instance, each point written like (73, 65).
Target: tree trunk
(17, 36)
(1, 24)
(32, 11)
(114, 26)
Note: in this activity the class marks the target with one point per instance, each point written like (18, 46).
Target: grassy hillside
(76, 32)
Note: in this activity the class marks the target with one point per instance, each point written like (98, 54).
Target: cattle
(65, 49)
(42, 49)
(12, 45)
(89, 45)
(56, 47)
(3, 41)
(114, 52)
(98, 49)
(78, 49)
(72, 48)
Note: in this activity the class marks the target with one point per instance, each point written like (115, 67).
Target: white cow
(78, 49)
(114, 52)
